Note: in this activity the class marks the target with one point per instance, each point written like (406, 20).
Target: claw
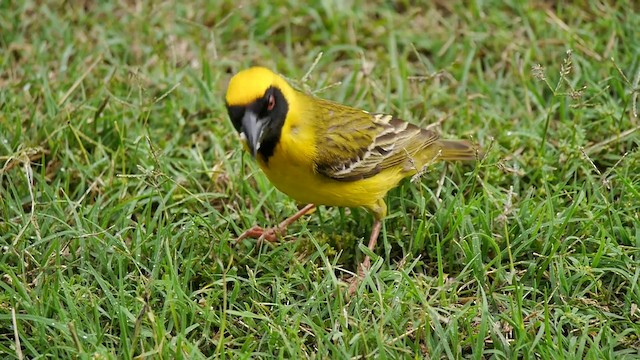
(366, 264)
(259, 233)
(273, 234)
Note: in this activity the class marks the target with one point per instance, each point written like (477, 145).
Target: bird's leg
(366, 264)
(273, 234)
(375, 232)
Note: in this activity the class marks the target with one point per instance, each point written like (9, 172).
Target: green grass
(123, 185)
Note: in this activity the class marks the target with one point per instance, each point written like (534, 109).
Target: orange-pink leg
(273, 234)
(366, 264)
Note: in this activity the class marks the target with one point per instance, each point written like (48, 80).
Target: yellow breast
(299, 181)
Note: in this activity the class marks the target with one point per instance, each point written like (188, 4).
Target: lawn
(123, 185)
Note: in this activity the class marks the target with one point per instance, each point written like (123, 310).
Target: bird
(320, 152)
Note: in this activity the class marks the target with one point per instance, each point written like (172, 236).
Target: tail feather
(451, 150)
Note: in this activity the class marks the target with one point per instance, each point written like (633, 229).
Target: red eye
(272, 102)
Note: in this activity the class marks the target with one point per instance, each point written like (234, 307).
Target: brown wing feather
(357, 145)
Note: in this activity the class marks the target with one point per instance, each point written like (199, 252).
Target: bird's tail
(458, 150)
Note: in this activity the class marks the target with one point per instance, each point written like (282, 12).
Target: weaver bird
(320, 152)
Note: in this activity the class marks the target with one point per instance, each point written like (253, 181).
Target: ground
(123, 185)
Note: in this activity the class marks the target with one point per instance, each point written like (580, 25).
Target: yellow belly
(302, 184)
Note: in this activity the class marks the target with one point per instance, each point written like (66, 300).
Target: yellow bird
(320, 152)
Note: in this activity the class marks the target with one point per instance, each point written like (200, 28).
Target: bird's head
(257, 105)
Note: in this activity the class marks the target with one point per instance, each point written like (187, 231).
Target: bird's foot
(260, 233)
(355, 280)
(273, 234)
(353, 285)
(366, 264)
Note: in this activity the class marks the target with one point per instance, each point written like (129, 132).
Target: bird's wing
(356, 145)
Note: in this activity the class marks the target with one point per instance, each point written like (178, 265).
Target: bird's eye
(272, 102)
